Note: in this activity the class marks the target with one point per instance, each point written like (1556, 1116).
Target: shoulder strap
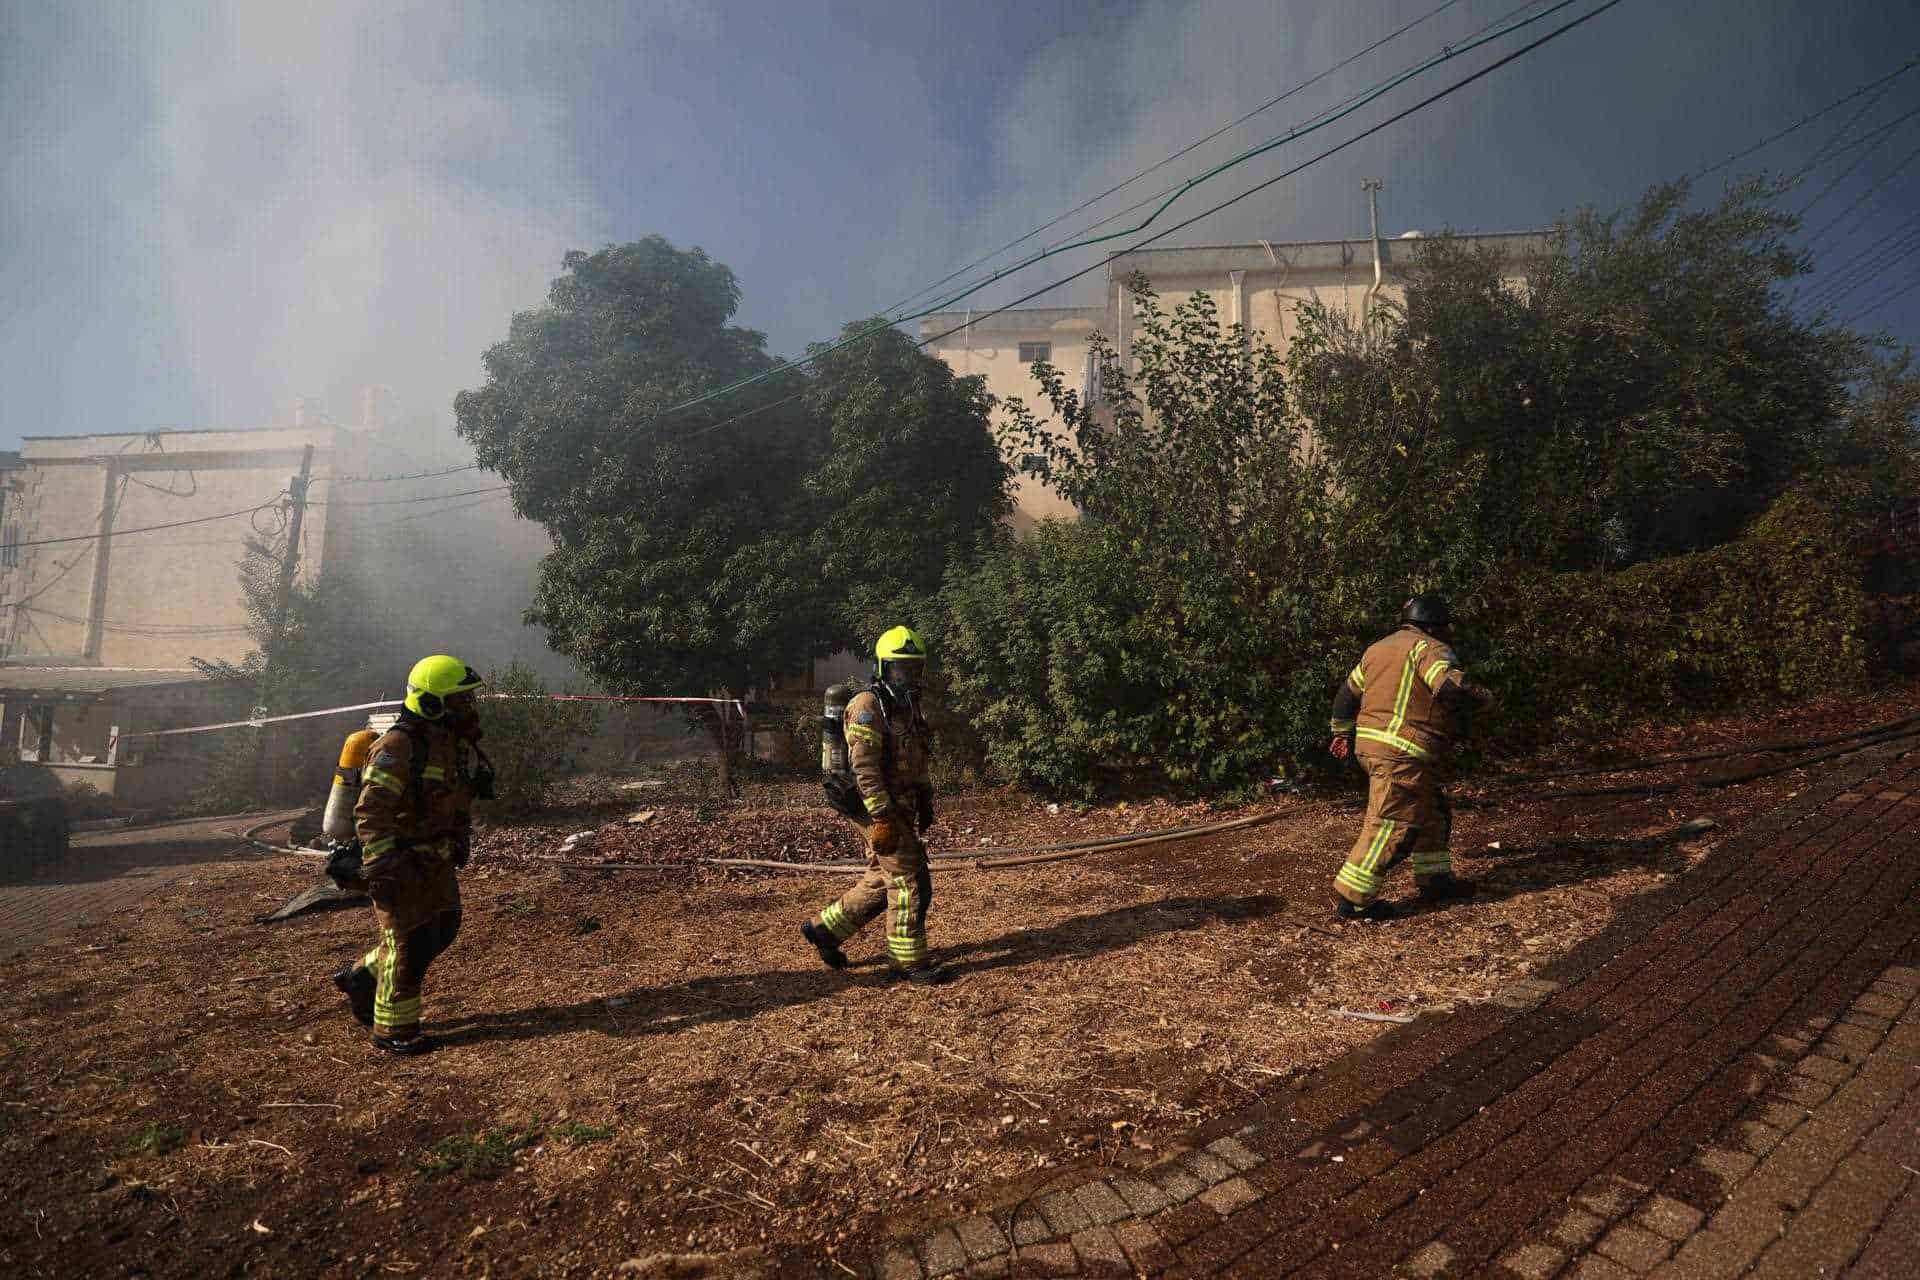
(416, 783)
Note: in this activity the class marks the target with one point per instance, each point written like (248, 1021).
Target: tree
(673, 569)
(911, 476)
(1647, 392)
(1182, 624)
(318, 655)
(703, 550)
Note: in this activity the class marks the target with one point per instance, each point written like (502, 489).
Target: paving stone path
(1726, 1082)
(108, 871)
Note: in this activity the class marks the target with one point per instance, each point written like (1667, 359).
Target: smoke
(355, 194)
(1587, 118)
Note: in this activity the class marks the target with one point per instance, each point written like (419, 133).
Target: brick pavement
(105, 872)
(1726, 1081)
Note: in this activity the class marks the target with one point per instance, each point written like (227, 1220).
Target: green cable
(1447, 53)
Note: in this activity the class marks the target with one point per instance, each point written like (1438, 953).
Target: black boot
(826, 944)
(929, 975)
(405, 1046)
(356, 984)
(1445, 888)
(1372, 911)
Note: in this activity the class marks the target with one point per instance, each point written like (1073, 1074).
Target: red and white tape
(262, 721)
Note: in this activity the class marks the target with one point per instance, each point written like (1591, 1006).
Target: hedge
(1778, 614)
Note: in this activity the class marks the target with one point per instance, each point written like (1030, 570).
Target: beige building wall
(1001, 349)
(1259, 285)
(146, 599)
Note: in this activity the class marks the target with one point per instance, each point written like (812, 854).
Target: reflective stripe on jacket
(889, 753)
(1398, 683)
(397, 810)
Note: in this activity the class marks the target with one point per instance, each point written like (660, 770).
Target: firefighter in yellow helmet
(415, 821)
(888, 746)
(1399, 711)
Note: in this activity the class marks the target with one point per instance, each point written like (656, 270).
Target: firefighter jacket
(416, 793)
(1407, 697)
(888, 745)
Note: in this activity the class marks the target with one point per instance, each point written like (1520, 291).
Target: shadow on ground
(728, 997)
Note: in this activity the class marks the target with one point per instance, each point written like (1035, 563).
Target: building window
(10, 547)
(1031, 351)
(1031, 463)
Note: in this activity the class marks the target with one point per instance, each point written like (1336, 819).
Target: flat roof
(190, 431)
(94, 681)
(1013, 320)
(1308, 255)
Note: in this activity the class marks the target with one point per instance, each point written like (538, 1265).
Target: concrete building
(1258, 285)
(119, 566)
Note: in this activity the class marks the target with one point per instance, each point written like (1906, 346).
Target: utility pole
(297, 488)
(1372, 187)
(273, 746)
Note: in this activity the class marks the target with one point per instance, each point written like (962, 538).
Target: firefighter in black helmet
(1399, 712)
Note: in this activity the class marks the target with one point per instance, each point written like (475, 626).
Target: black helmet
(1429, 613)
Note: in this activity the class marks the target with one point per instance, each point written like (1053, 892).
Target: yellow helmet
(433, 680)
(901, 644)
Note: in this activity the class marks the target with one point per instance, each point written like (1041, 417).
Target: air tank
(833, 730)
(337, 822)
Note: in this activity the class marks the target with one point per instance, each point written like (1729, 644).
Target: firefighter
(888, 745)
(414, 820)
(1399, 712)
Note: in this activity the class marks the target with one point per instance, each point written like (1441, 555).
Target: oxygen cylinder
(833, 730)
(337, 822)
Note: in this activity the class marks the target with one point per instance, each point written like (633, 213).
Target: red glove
(1341, 747)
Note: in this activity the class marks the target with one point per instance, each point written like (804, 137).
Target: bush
(529, 738)
(1778, 614)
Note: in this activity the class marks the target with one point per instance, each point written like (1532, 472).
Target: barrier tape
(259, 722)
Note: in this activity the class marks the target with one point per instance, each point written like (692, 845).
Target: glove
(343, 867)
(1341, 747)
(923, 807)
(884, 833)
(462, 849)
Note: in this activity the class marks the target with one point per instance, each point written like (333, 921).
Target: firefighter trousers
(418, 920)
(898, 881)
(1407, 816)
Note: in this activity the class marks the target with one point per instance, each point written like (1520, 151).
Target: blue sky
(209, 210)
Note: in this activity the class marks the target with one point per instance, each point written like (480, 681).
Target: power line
(1143, 203)
(401, 502)
(1805, 120)
(1860, 199)
(1820, 152)
(154, 630)
(151, 528)
(1840, 178)
(1841, 277)
(417, 475)
(1895, 296)
(1428, 101)
(1447, 53)
(1268, 105)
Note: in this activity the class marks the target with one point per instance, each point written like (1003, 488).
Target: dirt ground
(645, 1063)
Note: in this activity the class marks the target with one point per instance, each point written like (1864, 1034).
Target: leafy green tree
(703, 550)
(1647, 391)
(910, 478)
(1182, 623)
(674, 566)
(315, 653)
